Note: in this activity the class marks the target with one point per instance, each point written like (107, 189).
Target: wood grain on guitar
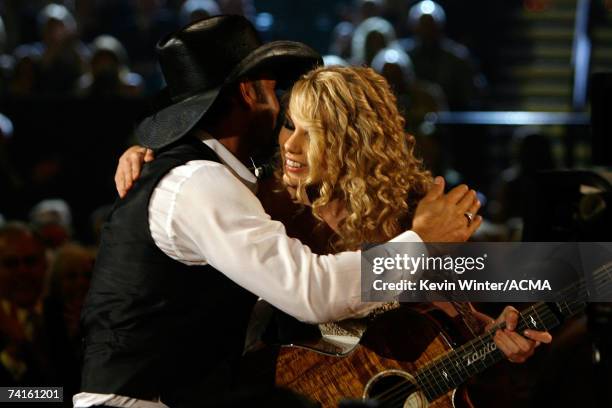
(329, 379)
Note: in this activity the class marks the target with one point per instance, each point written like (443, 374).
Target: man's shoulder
(198, 178)
(186, 149)
(194, 171)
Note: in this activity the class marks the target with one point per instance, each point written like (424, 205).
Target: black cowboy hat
(202, 58)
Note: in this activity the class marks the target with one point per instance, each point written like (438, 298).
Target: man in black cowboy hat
(185, 254)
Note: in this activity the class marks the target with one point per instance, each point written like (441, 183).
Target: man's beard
(263, 138)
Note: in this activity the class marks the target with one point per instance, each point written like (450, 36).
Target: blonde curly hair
(358, 152)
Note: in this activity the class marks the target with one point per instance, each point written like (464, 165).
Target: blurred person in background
(2, 36)
(532, 151)
(415, 98)
(193, 10)
(334, 60)
(70, 276)
(63, 55)
(341, 42)
(371, 36)
(24, 80)
(109, 74)
(11, 184)
(23, 267)
(87, 16)
(7, 62)
(244, 8)
(343, 33)
(438, 59)
(52, 221)
(138, 25)
(368, 8)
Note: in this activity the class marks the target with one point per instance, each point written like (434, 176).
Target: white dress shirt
(205, 212)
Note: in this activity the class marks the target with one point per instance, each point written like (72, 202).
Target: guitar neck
(459, 365)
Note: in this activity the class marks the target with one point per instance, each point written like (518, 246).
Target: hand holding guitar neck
(517, 348)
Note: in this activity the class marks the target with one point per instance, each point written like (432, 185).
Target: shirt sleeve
(202, 214)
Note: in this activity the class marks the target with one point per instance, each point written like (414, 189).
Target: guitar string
(421, 386)
(450, 367)
(455, 354)
(549, 318)
(398, 396)
(582, 285)
(447, 367)
(569, 306)
(428, 368)
(395, 393)
(543, 305)
(483, 343)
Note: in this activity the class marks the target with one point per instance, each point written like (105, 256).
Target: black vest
(155, 327)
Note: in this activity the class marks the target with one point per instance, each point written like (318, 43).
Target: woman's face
(293, 140)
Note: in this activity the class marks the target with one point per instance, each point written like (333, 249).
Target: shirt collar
(228, 159)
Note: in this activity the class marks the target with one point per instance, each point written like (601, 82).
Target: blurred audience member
(52, 220)
(25, 79)
(532, 152)
(334, 60)
(2, 36)
(371, 36)
(415, 98)
(242, 7)
(438, 59)
(11, 184)
(109, 73)
(63, 55)
(70, 277)
(22, 277)
(140, 25)
(369, 8)
(7, 62)
(193, 10)
(342, 37)
(87, 17)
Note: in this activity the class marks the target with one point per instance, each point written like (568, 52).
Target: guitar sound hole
(394, 388)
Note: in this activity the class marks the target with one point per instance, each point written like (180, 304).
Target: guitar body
(396, 344)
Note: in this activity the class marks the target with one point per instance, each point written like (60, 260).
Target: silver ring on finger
(469, 216)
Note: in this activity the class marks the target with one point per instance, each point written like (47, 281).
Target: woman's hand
(441, 217)
(517, 348)
(130, 166)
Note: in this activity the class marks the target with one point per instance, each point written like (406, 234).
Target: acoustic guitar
(411, 359)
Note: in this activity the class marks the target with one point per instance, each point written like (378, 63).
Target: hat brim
(286, 60)
(172, 122)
